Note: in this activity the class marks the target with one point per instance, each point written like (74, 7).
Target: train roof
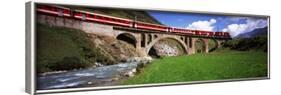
(152, 24)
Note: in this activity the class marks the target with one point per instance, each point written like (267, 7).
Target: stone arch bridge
(143, 40)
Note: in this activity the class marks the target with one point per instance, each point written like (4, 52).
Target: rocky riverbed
(99, 76)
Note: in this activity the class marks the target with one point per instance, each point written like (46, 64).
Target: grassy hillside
(224, 64)
(61, 48)
(258, 43)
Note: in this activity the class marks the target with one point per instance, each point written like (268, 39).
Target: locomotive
(100, 18)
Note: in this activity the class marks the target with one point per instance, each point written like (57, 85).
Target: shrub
(69, 63)
(42, 67)
(245, 44)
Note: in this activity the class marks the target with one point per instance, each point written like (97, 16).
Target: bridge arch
(213, 44)
(127, 37)
(200, 45)
(153, 42)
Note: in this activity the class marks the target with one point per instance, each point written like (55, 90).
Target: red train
(95, 17)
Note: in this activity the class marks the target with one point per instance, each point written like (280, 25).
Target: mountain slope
(254, 33)
(255, 40)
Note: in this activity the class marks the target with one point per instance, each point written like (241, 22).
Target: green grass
(224, 64)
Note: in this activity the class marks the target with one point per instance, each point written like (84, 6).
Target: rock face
(141, 62)
(167, 47)
(166, 50)
(113, 49)
(163, 49)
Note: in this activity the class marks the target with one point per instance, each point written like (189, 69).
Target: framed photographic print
(73, 47)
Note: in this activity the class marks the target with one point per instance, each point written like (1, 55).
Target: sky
(235, 25)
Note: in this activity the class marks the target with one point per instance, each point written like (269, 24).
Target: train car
(198, 33)
(95, 17)
(53, 10)
(205, 33)
(218, 34)
(222, 34)
(149, 26)
(211, 34)
(183, 31)
(226, 34)
(201, 33)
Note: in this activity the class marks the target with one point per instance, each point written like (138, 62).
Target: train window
(128, 22)
(48, 7)
(91, 16)
(87, 15)
(98, 17)
(66, 11)
(45, 7)
(116, 20)
(122, 21)
(42, 7)
(101, 17)
(125, 21)
(106, 18)
(80, 14)
(109, 19)
(147, 25)
(53, 9)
